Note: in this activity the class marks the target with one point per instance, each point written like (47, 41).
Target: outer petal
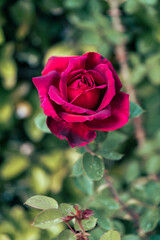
(49, 109)
(77, 134)
(118, 83)
(44, 82)
(105, 71)
(119, 115)
(69, 117)
(54, 95)
(93, 59)
(56, 63)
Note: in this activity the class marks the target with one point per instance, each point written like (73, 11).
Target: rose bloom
(81, 95)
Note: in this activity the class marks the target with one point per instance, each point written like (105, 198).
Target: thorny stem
(132, 214)
(121, 56)
(114, 191)
(115, 194)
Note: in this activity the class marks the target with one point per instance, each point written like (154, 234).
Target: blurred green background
(32, 162)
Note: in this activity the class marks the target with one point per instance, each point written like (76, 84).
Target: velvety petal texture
(80, 95)
(77, 134)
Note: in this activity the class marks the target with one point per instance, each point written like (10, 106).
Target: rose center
(86, 80)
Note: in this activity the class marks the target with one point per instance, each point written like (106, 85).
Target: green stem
(70, 227)
(83, 230)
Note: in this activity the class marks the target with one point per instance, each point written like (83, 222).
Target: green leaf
(22, 11)
(152, 164)
(88, 224)
(149, 220)
(66, 209)
(154, 74)
(118, 226)
(34, 133)
(48, 218)
(114, 36)
(148, 192)
(72, 4)
(84, 184)
(149, 2)
(113, 140)
(40, 180)
(110, 155)
(132, 171)
(145, 43)
(109, 203)
(41, 202)
(153, 68)
(111, 235)
(4, 237)
(93, 166)
(40, 122)
(8, 71)
(101, 136)
(66, 235)
(2, 37)
(138, 74)
(132, 6)
(103, 220)
(135, 110)
(155, 237)
(11, 170)
(77, 169)
(131, 237)
(96, 233)
(152, 190)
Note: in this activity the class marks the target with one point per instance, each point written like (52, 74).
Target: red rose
(80, 95)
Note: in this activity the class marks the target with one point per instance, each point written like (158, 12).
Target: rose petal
(49, 110)
(78, 84)
(56, 63)
(93, 59)
(77, 63)
(80, 95)
(68, 117)
(77, 134)
(43, 83)
(119, 115)
(73, 75)
(88, 99)
(74, 64)
(54, 95)
(118, 83)
(105, 71)
(74, 92)
(98, 77)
